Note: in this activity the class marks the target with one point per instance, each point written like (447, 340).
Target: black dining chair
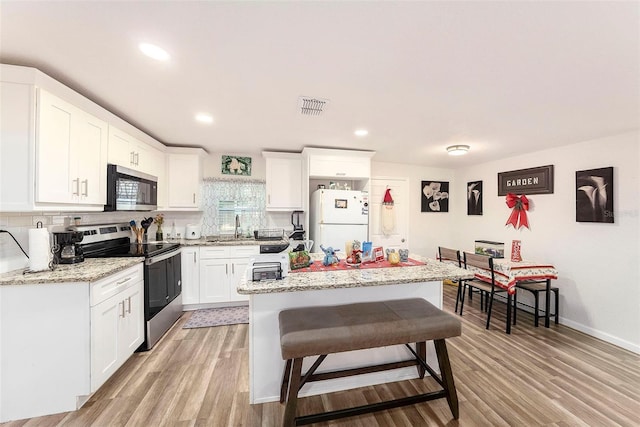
(453, 256)
(488, 286)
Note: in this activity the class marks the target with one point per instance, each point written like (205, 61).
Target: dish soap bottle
(173, 230)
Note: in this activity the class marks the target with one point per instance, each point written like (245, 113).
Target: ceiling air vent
(309, 106)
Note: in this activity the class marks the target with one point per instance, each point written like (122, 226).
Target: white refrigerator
(338, 216)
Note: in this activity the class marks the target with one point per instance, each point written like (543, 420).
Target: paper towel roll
(39, 249)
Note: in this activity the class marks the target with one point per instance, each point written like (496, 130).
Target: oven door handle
(161, 257)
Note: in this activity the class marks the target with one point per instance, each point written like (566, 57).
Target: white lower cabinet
(190, 275)
(61, 341)
(117, 323)
(217, 271)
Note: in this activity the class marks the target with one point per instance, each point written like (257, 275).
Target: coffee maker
(65, 247)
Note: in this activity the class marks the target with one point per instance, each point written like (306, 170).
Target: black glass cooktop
(131, 250)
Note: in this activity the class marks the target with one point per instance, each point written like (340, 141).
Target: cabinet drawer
(106, 288)
(210, 252)
(243, 251)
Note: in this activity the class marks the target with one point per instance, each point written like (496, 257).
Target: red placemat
(342, 265)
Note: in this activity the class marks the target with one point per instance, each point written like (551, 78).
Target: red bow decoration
(520, 205)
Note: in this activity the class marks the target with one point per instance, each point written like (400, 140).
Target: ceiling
(503, 77)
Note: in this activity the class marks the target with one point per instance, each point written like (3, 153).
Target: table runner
(342, 265)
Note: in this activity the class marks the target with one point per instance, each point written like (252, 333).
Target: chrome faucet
(237, 233)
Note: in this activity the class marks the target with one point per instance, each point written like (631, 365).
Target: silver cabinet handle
(341, 173)
(137, 157)
(129, 309)
(121, 304)
(194, 257)
(86, 187)
(132, 158)
(125, 280)
(233, 269)
(76, 182)
(402, 240)
(194, 197)
(226, 269)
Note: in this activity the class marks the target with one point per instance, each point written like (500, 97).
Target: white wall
(598, 264)
(599, 272)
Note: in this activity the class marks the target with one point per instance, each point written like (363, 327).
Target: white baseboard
(635, 348)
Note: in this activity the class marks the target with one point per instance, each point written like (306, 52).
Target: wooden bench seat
(320, 331)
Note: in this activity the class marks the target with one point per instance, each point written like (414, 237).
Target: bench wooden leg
(292, 395)
(285, 381)
(421, 349)
(447, 376)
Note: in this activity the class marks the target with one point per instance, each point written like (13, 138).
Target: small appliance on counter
(192, 232)
(268, 267)
(298, 231)
(65, 247)
(271, 264)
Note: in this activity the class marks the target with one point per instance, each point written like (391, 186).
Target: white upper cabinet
(184, 173)
(55, 145)
(71, 153)
(284, 181)
(341, 164)
(127, 151)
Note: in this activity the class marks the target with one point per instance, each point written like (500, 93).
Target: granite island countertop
(90, 270)
(432, 271)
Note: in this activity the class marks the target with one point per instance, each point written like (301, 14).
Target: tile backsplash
(19, 223)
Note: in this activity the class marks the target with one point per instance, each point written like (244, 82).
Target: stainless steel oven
(163, 294)
(162, 273)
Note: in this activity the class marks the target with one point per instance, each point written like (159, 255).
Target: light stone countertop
(245, 241)
(90, 270)
(432, 271)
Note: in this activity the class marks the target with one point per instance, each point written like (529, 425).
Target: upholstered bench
(320, 331)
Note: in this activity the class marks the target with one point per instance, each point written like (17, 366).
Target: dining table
(507, 273)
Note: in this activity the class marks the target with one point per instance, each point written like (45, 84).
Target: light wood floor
(534, 377)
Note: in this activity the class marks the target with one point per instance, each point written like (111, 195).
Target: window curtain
(223, 199)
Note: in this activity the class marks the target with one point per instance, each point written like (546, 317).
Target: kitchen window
(223, 199)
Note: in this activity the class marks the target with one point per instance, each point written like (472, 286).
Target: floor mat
(208, 317)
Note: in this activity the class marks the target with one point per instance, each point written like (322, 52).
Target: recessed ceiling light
(457, 150)
(154, 51)
(204, 118)
(361, 132)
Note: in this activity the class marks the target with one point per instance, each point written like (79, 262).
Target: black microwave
(130, 190)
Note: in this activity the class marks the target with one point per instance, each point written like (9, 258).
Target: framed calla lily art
(435, 196)
(594, 195)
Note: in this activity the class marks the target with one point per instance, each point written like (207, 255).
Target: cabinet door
(54, 182)
(214, 280)
(131, 326)
(142, 157)
(238, 271)
(90, 147)
(105, 321)
(339, 167)
(284, 183)
(119, 151)
(184, 180)
(190, 276)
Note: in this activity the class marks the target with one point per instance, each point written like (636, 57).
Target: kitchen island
(304, 289)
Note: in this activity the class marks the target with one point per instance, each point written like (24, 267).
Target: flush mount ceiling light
(204, 118)
(457, 150)
(153, 51)
(361, 132)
